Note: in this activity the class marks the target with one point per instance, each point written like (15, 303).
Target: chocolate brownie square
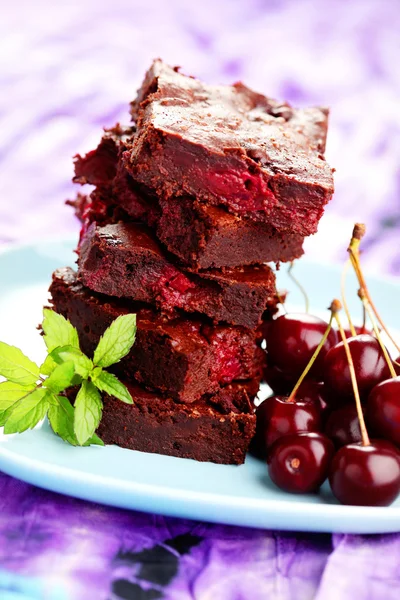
(201, 236)
(215, 429)
(126, 261)
(230, 146)
(182, 357)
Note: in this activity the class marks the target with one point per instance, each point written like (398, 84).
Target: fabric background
(66, 70)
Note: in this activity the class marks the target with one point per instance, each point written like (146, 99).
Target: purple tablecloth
(66, 70)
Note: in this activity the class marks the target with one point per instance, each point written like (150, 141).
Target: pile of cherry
(331, 388)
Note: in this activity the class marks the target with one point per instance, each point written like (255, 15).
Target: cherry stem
(311, 361)
(353, 250)
(343, 293)
(377, 333)
(363, 428)
(301, 288)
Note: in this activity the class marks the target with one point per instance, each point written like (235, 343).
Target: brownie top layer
(226, 119)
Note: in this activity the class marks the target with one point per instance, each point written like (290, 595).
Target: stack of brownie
(206, 186)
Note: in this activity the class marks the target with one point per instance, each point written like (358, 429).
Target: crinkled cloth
(57, 548)
(66, 70)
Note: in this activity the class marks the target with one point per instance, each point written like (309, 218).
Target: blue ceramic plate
(162, 484)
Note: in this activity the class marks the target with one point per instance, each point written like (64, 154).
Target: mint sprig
(31, 392)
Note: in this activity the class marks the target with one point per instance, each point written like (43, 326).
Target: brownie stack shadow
(187, 205)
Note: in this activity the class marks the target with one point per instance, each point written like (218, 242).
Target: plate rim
(260, 513)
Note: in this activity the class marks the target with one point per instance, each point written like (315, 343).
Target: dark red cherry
(292, 340)
(360, 329)
(276, 417)
(383, 410)
(366, 475)
(280, 382)
(396, 365)
(369, 364)
(299, 463)
(343, 427)
(314, 391)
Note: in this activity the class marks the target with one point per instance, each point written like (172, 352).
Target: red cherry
(314, 391)
(396, 365)
(360, 329)
(366, 475)
(383, 410)
(369, 364)
(292, 340)
(299, 463)
(343, 426)
(276, 417)
(280, 382)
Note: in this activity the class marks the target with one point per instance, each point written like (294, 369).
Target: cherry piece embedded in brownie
(214, 429)
(182, 357)
(235, 352)
(228, 145)
(201, 236)
(126, 261)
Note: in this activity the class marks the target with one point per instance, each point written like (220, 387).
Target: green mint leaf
(11, 392)
(116, 341)
(76, 380)
(48, 366)
(95, 372)
(108, 383)
(88, 409)
(61, 418)
(17, 367)
(58, 331)
(82, 364)
(94, 441)
(27, 412)
(61, 377)
(3, 416)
